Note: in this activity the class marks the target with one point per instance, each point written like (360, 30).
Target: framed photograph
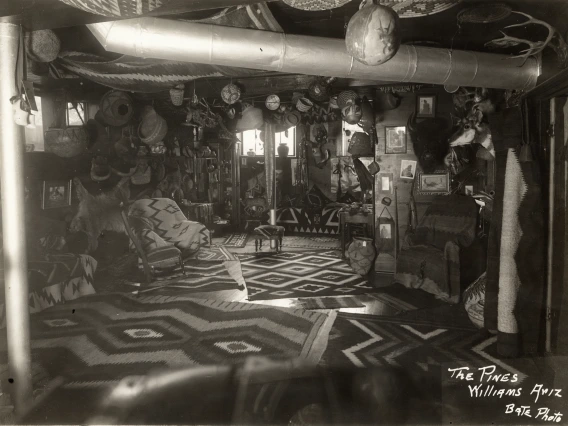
(469, 190)
(435, 183)
(426, 106)
(395, 140)
(56, 193)
(385, 182)
(385, 231)
(407, 169)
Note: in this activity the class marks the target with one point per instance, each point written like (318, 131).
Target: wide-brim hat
(316, 4)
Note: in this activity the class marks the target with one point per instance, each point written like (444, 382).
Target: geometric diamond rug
(426, 351)
(300, 274)
(97, 340)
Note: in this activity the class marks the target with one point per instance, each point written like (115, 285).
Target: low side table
(346, 219)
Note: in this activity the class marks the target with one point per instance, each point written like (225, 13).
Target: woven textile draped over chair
(158, 224)
(431, 259)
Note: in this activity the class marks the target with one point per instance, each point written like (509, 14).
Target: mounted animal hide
(98, 213)
(430, 141)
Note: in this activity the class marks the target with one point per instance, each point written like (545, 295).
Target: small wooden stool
(270, 233)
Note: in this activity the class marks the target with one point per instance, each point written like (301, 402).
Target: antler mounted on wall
(553, 40)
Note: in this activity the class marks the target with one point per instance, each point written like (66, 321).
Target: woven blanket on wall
(149, 75)
(95, 341)
(324, 220)
(58, 279)
(516, 256)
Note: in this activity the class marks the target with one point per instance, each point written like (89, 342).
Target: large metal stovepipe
(264, 50)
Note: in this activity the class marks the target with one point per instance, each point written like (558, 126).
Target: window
(34, 135)
(251, 141)
(76, 113)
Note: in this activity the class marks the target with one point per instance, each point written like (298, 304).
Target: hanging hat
(116, 108)
(230, 93)
(152, 128)
(176, 95)
(316, 4)
(42, 45)
(304, 105)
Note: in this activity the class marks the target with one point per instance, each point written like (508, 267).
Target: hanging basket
(116, 108)
(66, 142)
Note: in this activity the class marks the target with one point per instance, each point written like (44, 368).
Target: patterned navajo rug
(330, 303)
(425, 348)
(300, 274)
(236, 240)
(95, 341)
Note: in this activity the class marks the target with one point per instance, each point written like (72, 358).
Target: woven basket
(42, 45)
(116, 108)
(176, 95)
(346, 97)
(152, 128)
(66, 142)
(316, 4)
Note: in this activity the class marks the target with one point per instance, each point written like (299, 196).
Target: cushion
(163, 257)
(448, 218)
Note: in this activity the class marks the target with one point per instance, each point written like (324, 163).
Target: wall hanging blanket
(516, 253)
(154, 75)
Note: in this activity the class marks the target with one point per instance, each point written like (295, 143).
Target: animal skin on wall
(98, 213)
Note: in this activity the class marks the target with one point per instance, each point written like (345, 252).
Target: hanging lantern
(230, 93)
(373, 34)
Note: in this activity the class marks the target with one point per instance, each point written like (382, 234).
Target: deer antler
(534, 47)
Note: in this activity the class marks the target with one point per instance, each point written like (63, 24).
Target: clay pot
(373, 35)
(361, 254)
(283, 150)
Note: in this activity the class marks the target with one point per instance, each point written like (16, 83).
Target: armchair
(162, 235)
(430, 257)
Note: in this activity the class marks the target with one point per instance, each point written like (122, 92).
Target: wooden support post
(12, 148)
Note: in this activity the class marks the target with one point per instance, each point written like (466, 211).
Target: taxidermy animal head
(472, 128)
(98, 213)
(430, 141)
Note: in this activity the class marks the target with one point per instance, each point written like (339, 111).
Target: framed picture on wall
(407, 169)
(434, 184)
(56, 193)
(385, 182)
(395, 140)
(426, 106)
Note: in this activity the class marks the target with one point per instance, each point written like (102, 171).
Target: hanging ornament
(230, 93)
(272, 102)
(176, 95)
(372, 34)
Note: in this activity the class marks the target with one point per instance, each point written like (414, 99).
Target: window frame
(293, 148)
